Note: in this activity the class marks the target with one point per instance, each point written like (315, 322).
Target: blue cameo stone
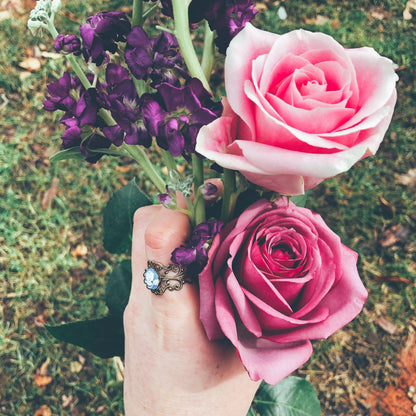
(151, 279)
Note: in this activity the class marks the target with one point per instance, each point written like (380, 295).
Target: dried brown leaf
(42, 381)
(319, 20)
(386, 208)
(387, 325)
(31, 64)
(79, 251)
(393, 279)
(43, 411)
(393, 235)
(43, 370)
(50, 194)
(408, 179)
(410, 5)
(66, 401)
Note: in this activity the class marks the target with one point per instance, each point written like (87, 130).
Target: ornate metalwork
(171, 277)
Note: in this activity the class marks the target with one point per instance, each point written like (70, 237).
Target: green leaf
(72, 153)
(252, 412)
(118, 287)
(103, 337)
(118, 217)
(104, 151)
(293, 396)
(300, 200)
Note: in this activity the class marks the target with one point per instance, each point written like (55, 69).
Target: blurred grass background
(53, 267)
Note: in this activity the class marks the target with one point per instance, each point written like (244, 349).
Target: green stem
(168, 159)
(199, 203)
(150, 10)
(138, 154)
(208, 52)
(180, 15)
(228, 196)
(137, 19)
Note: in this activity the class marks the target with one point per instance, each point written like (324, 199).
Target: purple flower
(80, 108)
(153, 58)
(195, 256)
(119, 96)
(209, 191)
(226, 17)
(100, 34)
(175, 114)
(168, 199)
(68, 44)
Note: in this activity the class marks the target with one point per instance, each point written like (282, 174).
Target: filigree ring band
(159, 278)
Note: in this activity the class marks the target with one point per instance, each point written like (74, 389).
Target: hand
(170, 366)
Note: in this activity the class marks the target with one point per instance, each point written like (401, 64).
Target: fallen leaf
(31, 64)
(79, 251)
(386, 325)
(81, 359)
(393, 279)
(123, 169)
(387, 209)
(260, 6)
(50, 194)
(66, 401)
(100, 409)
(43, 370)
(43, 411)
(42, 381)
(319, 20)
(408, 179)
(75, 367)
(393, 235)
(411, 4)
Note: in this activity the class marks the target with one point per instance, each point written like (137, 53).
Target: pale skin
(171, 368)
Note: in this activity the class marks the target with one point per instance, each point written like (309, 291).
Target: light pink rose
(278, 277)
(301, 108)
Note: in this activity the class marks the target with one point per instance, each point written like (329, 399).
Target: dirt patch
(398, 399)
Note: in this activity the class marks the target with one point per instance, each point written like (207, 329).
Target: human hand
(170, 366)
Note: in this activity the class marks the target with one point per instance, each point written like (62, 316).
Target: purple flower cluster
(80, 108)
(68, 44)
(119, 95)
(226, 17)
(195, 256)
(174, 115)
(100, 34)
(153, 59)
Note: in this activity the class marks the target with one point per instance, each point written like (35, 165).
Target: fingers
(167, 230)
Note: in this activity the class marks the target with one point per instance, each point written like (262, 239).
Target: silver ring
(159, 278)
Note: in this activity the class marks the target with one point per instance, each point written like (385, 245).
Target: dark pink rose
(301, 108)
(278, 277)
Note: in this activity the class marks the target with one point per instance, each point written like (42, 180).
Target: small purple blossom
(175, 115)
(226, 17)
(119, 96)
(154, 59)
(209, 191)
(168, 199)
(100, 34)
(68, 44)
(195, 256)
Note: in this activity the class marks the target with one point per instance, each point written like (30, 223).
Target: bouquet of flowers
(298, 109)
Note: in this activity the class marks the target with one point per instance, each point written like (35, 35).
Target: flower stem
(180, 15)
(199, 203)
(229, 195)
(208, 52)
(137, 19)
(168, 159)
(139, 155)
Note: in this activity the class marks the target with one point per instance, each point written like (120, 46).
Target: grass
(43, 280)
